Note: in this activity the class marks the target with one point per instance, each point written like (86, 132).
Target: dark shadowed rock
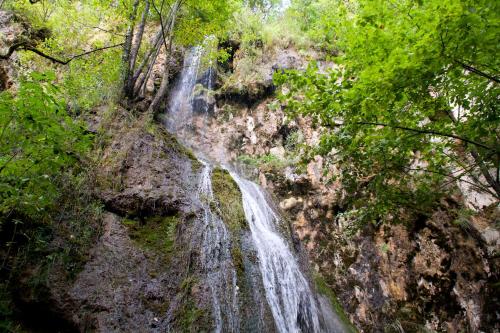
(147, 174)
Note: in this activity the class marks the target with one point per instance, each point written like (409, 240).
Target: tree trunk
(136, 45)
(127, 47)
(162, 91)
(139, 88)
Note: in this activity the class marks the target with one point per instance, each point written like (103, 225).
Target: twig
(477, 71)
(99, 28)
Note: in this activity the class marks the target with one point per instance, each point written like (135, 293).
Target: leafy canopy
(412, 78)
(38, 142)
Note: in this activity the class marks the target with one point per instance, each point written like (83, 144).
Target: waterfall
(287, 290)
(294, 306)
(217, 261)
(180, 108)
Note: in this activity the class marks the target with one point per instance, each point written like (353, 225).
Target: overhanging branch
(477, 71)
(424, 131)
(25, 47)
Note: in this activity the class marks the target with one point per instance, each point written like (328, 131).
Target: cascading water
(216, 260)
(287, 290)
(180, 108)
(294, 306)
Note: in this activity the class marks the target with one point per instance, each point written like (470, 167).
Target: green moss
(323, 288)
(192, 319)
(228, 195)
(238, 261)
(189, 317)
(172, 142)
(187, 284)
(156, 234)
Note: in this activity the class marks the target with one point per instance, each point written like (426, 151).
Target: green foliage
(38, 142)
(199, 19)
(463, 219)
(46, 197)
(92, 82)
(76, 27)
(258, 32)
(192, 319)
(264, 161)
(316, 20)
(294, 141)
(401, 71)
(189, 318)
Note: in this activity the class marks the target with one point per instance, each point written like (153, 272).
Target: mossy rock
(238, 260)
(155, 234)
(189, 317)
(229, 198)
(172, 143)
(323, 288)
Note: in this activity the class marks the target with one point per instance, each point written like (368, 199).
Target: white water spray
(287, 290)
(180, 110)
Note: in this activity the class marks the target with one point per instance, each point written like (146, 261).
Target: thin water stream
(217, 261)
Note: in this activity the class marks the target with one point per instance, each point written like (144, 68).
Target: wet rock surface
(143, 273)
(111, 287)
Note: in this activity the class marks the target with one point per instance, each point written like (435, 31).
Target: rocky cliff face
(146, 268)
(143, 272)
(435, 272)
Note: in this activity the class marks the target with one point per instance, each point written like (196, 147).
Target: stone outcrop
(143, 273)
(146, 173)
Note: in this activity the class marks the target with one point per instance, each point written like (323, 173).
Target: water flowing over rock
(180, 109)
(293, 304)
(406, 275)
(217, 262)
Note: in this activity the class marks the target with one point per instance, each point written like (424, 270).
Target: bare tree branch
(23, 46)
(100, 29)
(423, 131)
(477, 71)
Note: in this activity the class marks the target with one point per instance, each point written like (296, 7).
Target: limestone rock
(290, 203)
